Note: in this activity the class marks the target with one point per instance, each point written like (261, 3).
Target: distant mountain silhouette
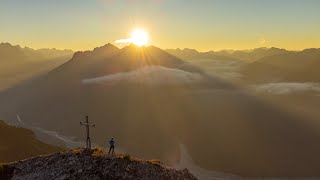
(300, 66)
(19, 64)
(249, 55)
(222, 127)
(261, 65)
(19, 143)
(109, 59)
(128, 58)
(257, 53)
(192, 54)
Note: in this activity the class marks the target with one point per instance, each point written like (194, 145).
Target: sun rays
(139, 37)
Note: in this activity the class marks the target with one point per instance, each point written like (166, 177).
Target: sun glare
(139, 37)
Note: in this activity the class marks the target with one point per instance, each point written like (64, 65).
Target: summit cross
(87, 124)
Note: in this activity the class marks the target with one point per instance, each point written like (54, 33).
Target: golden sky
(200, 24)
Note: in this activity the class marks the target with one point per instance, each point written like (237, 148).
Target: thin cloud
(263, 41)
(151, 75)
(123, 41)
(288, 87)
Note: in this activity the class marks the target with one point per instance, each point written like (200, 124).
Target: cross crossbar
(87, 124)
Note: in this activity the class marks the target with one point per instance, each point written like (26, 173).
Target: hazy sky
(200, 24)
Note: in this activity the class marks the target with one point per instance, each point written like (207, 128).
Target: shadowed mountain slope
(20, 64)
(299, 66)
(19, 143)
(109, 59)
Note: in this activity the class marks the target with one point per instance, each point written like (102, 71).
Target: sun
(139, 37)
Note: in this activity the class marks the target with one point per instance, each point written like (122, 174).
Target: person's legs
(112, 150)
(109, 150)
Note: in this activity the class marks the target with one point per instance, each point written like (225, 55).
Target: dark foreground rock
(81, 164)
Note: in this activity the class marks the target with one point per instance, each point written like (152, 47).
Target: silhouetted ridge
(98, 52)
(8, 52)
(294, 66)
(247, 55)
(21, 64)
(108, 59)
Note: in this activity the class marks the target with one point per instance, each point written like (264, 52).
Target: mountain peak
(8, 45)
(92, 164)
(98, 52)
(5, 44)
(105, 48)
(133, 47)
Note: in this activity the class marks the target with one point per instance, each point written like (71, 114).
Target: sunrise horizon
(83, 25)
(181, 48)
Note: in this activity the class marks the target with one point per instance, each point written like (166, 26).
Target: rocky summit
(90, 164)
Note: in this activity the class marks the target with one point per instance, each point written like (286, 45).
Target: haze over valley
(21, 64)
(168, 98)
(160, 89)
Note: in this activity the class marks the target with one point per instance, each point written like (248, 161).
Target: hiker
(111, 143)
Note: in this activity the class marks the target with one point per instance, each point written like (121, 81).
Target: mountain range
(245, 55)
(299, 66)
(261, 65)
(20, 64)
(123, 91)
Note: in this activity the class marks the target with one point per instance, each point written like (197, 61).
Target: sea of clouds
(224, 69)
(288, 87)
(151, 75)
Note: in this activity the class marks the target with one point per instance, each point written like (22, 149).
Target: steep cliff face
(94, 164)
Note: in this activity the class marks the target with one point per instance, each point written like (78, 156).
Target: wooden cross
(87, 124)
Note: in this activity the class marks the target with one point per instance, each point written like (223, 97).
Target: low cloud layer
(123, 41)
(224, 69)
(151, 75)
(288, 87)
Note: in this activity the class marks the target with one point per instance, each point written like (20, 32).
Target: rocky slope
(82, 164)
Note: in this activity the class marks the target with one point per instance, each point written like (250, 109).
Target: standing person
(111, 143)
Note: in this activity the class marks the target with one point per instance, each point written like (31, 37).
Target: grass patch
(125, 156)
(3, 167)
(5, 171)
(76, 151)
(155, 162)
(98, 152)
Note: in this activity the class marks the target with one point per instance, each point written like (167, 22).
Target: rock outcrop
(94, 164)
